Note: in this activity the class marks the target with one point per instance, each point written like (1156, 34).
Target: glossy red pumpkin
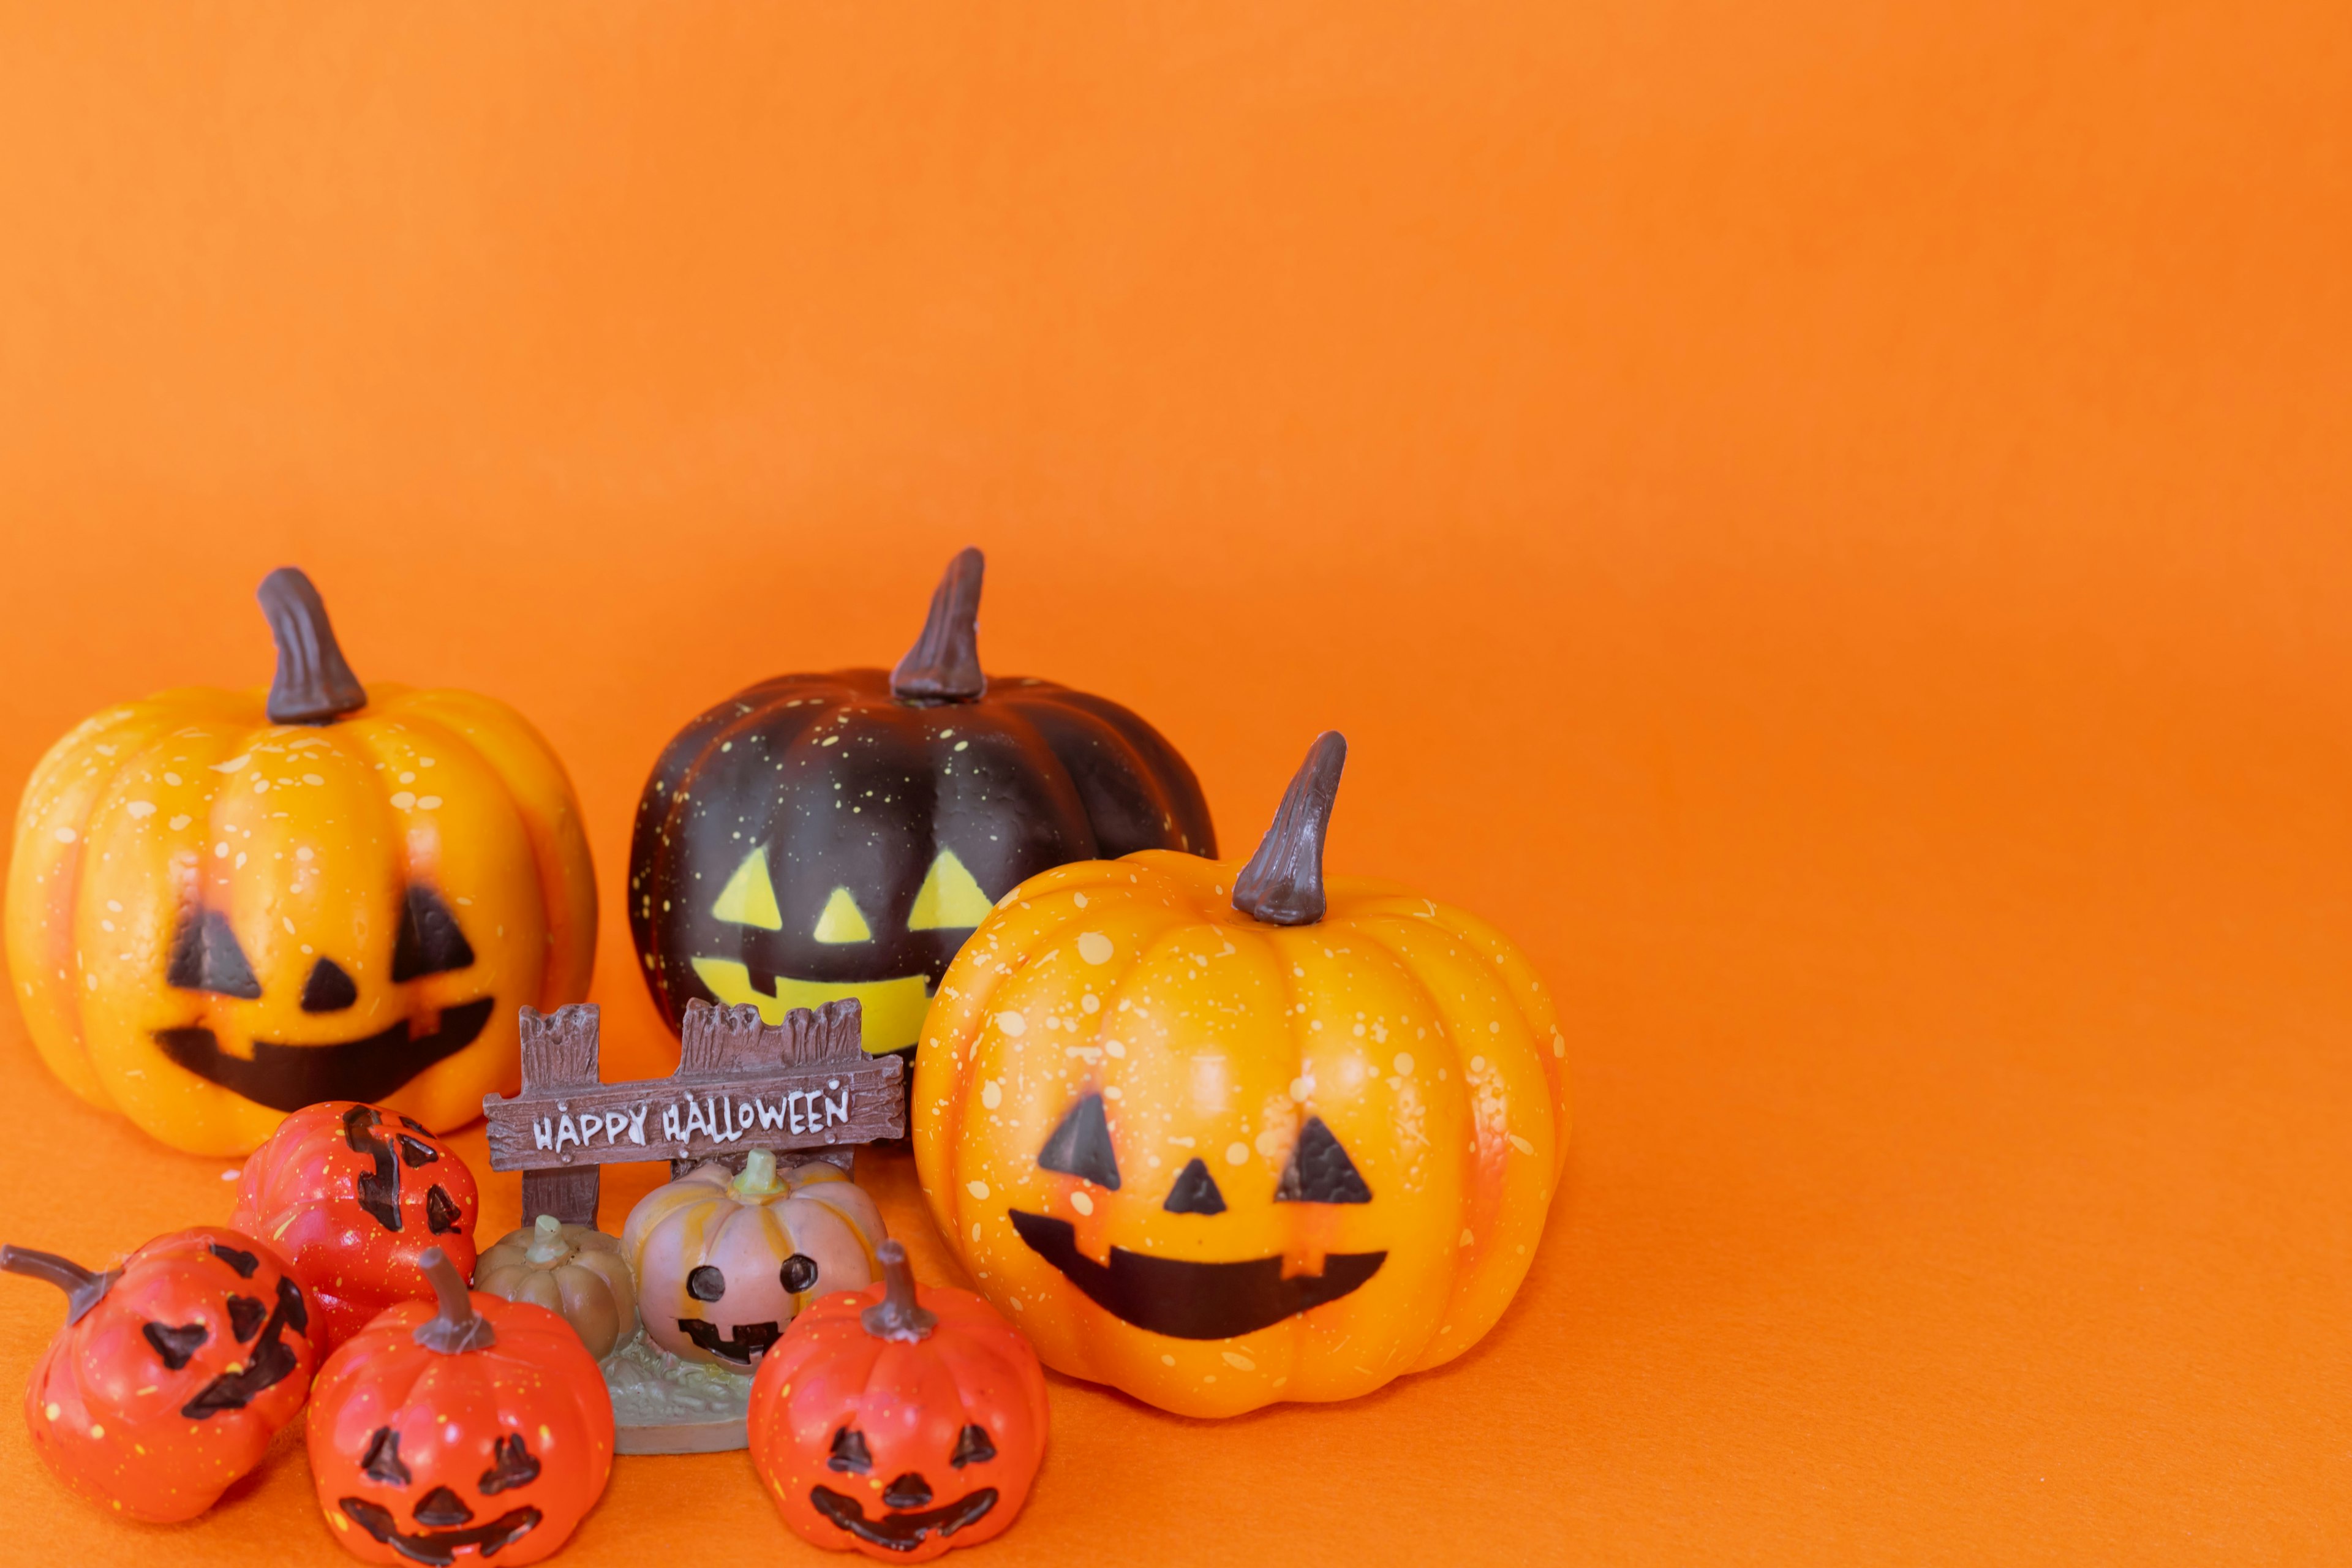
(354, 1194)
(898, 1422)
(470, 1426)
(172, 1373)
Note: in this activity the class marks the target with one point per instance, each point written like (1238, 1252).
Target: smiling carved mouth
(440, 1547)
(288, 1078)
(747, 1340)
(1193, 1300)
(901, 1532)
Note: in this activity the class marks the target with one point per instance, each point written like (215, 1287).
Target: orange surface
(1827, 522)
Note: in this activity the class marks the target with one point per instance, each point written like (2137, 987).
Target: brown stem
(456, 1328)
(897, 1316)
(1283, 883)
(314, 686)
(83, 1288)
(944, 664)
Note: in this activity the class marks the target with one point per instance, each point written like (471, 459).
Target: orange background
(1828, 521)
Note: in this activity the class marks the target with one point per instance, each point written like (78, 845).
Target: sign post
(805, 1084)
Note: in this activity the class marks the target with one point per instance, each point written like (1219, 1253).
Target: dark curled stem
(456, 1327)
(897, 1316)
(84, 1288)
(1283, 883)
(944, 664)
(314, 686)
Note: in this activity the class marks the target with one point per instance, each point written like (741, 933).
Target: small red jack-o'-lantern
(172, 1373)
(476, 1424)
(227, 905)
(898, 1422)
(724, 1260)
(354, 1194)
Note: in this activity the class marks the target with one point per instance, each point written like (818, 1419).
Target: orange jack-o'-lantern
(898, 1422)
(1228, 1140)
(354, 1194)
(172, 1373)
(227, 905)
(470, 1426)
(725, 1260)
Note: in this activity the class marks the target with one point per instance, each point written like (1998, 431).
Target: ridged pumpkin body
(1217, 1162)
(171, 1386)
(575, 1271)
(814, 837)
(214, 920)
(352, 1195)
(420, 1455)
(725, 1260)
(900, 1449)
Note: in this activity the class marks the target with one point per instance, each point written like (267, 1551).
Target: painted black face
(1189, 1301)
(816, 837)
(448, 1522)
(377, 1191)
(908, 1520)
(745, 1340)
(268, 1363)
(205, 956)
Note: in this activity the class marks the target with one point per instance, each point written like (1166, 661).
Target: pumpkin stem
(84, 1288)
(944, 664)
(547, 1243)
(897, 1315)
(757, 1177)
(456, 1327)
(314, 686)
(1283, 883)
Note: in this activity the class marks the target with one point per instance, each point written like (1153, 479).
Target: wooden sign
(804, 1084)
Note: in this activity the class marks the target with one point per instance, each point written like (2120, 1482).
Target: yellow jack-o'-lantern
(227, 905)
(1218, 1138)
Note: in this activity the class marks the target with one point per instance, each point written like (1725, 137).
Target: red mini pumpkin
(480, 1425)
(172, 1373)
(898, 1422)
(354, 1194)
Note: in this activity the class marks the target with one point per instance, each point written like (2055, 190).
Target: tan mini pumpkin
(573, 1270)
(724, 1260)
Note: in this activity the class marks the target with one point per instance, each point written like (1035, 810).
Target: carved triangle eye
(972, 1446)
(842, 921)
(1196, 1191)
(205, 957)
(245, 1317)
(1319, 1171)
(950, 898)
(515, 1465)
(176, 1343)
(749, 899)
(850, 1455)
(329, 989)
(430, 942)
(1080, 1146)
(383, 1463)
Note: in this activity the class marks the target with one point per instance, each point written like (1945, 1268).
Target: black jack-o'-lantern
(821, 836)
